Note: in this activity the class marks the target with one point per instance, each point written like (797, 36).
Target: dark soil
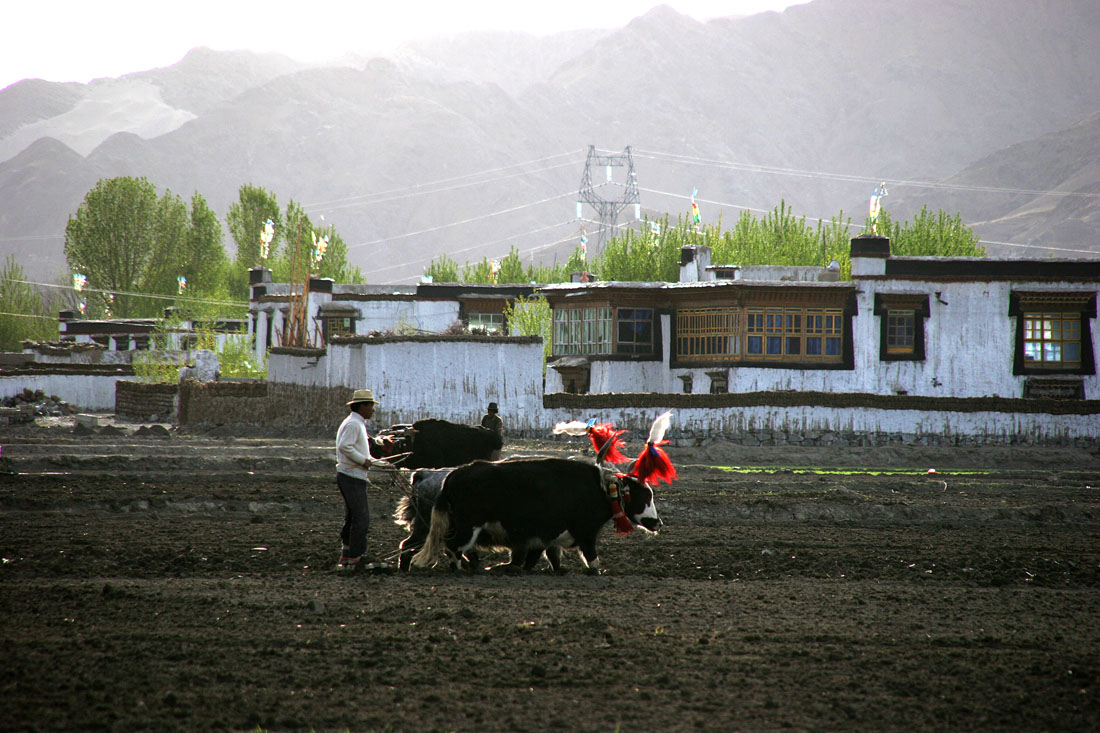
(160, 581)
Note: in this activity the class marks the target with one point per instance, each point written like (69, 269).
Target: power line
(415, 187)
(1037, 246)
(458, 223)
(239, 304)
(441, 190)
(29, 315)
(859, 226)
(479, 245)
(32, 237)
(801, 173)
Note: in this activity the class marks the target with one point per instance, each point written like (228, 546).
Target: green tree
(442, 270)
(300, 234)
(479, 272)
(170, 225)
(24, 313)
(930, 235)
(203, 260)
(112, 239)
(530, 317)
(335, 262)
(245, 220)
(511, 268)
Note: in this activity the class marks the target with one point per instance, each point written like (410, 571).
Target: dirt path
(160, 582)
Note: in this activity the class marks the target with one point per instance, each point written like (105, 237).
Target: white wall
(808, 419)
(969, 339)
(453, 380)
(85, 391)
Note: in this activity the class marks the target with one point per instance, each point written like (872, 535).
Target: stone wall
(152, 402)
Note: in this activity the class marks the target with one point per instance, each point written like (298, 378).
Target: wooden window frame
(583, 330)
(476, 320)
(1077, 308)
(637, 347)
(708, 334)
(794, 329)
(912, 305)
(327, 330)
(789, 335)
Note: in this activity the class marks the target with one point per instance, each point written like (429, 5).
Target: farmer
(353, 458)
(492, 420)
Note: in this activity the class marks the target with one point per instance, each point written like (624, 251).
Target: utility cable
(801, 173)
(86, 289)
(860, 226)
(458, 223)
(472, 247)
(415, 188)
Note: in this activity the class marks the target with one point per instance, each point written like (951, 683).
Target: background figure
(492, 420)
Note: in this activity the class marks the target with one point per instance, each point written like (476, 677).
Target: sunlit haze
(81, 40)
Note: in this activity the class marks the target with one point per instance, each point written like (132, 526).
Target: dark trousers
(356, 514)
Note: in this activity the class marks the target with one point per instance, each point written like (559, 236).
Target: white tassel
(659, 427)
(573, 427)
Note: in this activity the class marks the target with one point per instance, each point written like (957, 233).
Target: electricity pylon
(608, 209)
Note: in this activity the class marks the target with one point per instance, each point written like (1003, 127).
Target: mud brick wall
(292, 405)
(140, 401)
(221, 403)
(268, 404)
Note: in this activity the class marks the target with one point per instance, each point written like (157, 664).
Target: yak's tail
(433, 546)
(404, 513)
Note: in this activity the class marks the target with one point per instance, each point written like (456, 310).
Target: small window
(487, 322)
(1053, 332)
(635, 331)
(901, 321)
(900, 327)
(338, 326)
(1052, 340)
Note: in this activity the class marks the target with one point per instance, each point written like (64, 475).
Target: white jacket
(353, 448)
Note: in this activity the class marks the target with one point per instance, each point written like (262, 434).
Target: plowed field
(186, 582)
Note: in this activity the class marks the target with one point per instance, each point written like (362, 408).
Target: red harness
(623, 525)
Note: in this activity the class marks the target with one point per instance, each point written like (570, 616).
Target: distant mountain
(512, 61)
(471, 145)
(1052, 197)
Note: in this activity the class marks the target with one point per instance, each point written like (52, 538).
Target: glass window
(900, 331)
(582, 331)
(1052, 340)
(635, 331)
(487, 322)
(707, 334)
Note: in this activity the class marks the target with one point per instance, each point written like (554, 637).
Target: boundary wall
(85, 386)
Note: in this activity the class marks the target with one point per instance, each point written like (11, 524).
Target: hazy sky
(80, 40)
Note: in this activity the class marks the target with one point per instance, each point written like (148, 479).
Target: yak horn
(604, 450)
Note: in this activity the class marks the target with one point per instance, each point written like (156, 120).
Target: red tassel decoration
(602, 433)
(654, 465)
(623, 525)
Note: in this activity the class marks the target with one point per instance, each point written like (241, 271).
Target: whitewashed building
(356, 310)
(935, 327)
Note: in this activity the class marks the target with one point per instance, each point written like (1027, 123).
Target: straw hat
(362, 395)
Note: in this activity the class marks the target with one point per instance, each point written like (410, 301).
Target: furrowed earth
(159, 580)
